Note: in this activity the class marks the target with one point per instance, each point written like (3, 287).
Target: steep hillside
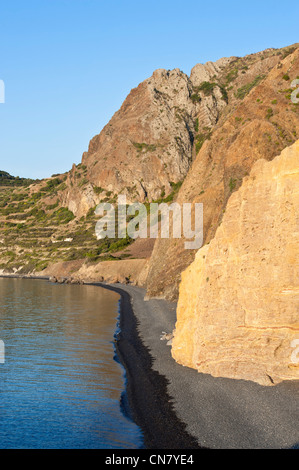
(259, 121)
(205, 130)
(238, 310)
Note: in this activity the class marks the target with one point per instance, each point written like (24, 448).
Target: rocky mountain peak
(210, 70)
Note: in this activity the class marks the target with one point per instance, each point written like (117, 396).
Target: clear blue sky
(69, 64)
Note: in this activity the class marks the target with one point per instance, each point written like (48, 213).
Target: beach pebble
(166, 336)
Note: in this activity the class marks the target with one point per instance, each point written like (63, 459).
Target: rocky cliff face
(147, 145)
(259, 121)
(238, 310)
(153, 139)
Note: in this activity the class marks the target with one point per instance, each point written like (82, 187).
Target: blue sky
(69, 64)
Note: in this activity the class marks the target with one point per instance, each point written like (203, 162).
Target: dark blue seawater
(60, 386)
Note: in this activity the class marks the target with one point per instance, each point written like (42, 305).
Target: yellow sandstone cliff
(238, 309)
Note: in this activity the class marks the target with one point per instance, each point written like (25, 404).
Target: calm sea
(60, 385)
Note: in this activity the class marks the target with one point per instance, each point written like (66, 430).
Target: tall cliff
(238, 309)
(147, 145)
(259, 121)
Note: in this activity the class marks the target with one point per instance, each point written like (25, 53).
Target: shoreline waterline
(61, 385)
(217, 412)
(145, 399)
(149, 401)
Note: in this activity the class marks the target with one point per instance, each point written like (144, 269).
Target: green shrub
(232, 184)
(206, 87)
(195, 98)
(63, 215)
(142, 147)
(120, 244)
(51, 184)
(83, 182)
(231, 76)
(288, 51)
(200, 139)
(41, 265)
(35, 196)
(176, 186)
(98, 189)
(244, 90)
(52, 206)
(224, 93)
(90, 213)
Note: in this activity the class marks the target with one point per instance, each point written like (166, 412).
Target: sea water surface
(61, 385)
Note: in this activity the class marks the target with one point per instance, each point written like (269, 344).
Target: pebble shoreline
(214, 413)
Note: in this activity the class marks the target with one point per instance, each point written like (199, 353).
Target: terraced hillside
(35, 229)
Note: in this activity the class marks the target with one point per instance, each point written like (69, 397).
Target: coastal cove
(61, 384)
(176, 407)
(149, 230)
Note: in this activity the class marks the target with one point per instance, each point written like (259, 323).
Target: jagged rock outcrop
(149, 143)
(259, 121)
(238, 310)
(210, 70)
